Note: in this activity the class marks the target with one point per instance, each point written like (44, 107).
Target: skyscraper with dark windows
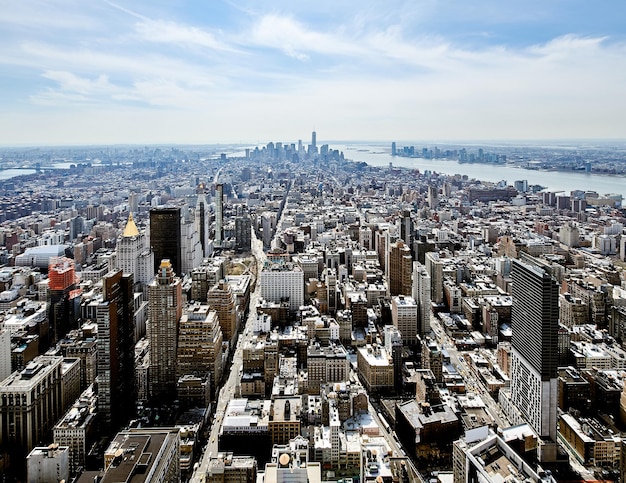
(243, 233)
(202, 221)
(116, 350)
(165, 237)
(406, 229)
(535, 319)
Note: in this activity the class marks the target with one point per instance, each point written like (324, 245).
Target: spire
(131, 229)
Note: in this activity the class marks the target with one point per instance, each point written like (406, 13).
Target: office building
(268, 224)
(38, 389)
(283, 281)
(70, 381)
(63, 299)
(486, 457)
(77, 428)
(227, 468)
(133, 202)
(85, 349)
(421, 295)
(243, 233)
(245, 429)
(326, 364)
(5, 352)
(406, 228)
(535, 314)
(165, 307)
(116, 350)
(591, 442)
(221, 299)
(375, 368)
(285, 416)
(219, 214)
(404, 316)
(332, 296)
(165, 236)
(204, 277)
(432, 358)
(191, 252)
(358, 308)
(143, 455)
(45, 464)
(569, 234)
(433, 197)
(133, 255)
(200, 343)
(434, 263)
(202, 219)
(393, 346)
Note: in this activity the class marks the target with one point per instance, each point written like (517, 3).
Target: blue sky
(100, 72)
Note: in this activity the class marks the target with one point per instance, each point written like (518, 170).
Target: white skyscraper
(404, 318)
(191, 250)
(133, 254)
(283, 281)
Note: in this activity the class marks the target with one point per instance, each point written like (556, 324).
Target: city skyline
(128, 72)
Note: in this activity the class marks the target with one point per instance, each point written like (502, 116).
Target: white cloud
(163, 31)
(356, 79)
(296, 40)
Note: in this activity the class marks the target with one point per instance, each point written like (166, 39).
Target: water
(13, 172)
(553, 180)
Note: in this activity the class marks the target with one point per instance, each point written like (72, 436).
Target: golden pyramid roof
(131, 229)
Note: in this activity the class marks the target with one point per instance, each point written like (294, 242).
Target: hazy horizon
(564, 143)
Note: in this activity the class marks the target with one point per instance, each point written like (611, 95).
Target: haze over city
(241, 71)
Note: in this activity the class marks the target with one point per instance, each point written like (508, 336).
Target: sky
(251, 71)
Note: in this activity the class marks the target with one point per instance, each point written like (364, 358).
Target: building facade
(133, 255)
(400, 269)
(30, 404)
(404, 316)
(165, 237)
(165, 308)
(283, 281)
(221, 299)
(116, 349)
(535, 314)
(200, 343)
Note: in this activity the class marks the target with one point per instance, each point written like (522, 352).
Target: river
(379, 155)
(13, 172)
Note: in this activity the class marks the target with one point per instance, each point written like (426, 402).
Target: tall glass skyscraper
(165, 236)
(535, 320)
(116, 350)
